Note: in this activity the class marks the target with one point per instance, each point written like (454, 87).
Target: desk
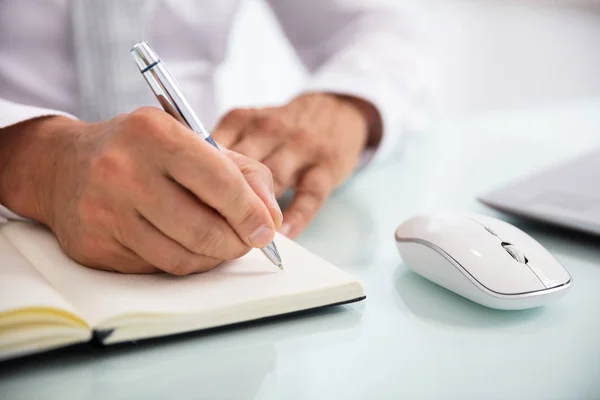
(410, 338)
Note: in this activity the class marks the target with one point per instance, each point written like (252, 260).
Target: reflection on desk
(410, 338)
(194, 365)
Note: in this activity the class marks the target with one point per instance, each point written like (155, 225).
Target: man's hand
(138, 194)
(311, 144)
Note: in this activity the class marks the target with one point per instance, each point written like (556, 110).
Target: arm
(363, 49)
(357, 104)
(138, 193)
(13, 114)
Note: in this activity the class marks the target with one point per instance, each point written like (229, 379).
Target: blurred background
(486, 55)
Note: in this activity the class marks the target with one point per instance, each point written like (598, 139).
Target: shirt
(364, 48)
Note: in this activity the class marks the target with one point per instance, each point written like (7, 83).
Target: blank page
(22, 286)
(100, 295)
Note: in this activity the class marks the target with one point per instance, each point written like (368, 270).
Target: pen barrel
(173, 102)
(165, 88)
(169, 96)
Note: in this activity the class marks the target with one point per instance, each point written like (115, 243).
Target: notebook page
(100, 295)
(22, 286)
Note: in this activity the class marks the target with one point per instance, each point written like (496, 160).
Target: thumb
(260, 179)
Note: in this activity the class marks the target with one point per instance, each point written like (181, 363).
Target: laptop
(567, 195)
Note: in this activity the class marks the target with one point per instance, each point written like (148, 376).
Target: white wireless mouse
(483, 259)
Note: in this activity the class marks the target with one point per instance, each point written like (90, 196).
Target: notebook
(49, 301)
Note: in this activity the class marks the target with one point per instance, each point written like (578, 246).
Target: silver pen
(171, 99)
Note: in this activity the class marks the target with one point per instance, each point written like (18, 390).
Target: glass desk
(410, 338)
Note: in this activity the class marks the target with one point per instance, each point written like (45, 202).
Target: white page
(22, 286)
(100, 295)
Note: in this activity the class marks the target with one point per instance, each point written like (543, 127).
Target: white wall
(262, 68)
(514, 54)
(489, 55)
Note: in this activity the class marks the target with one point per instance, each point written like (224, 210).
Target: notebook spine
(100, 335)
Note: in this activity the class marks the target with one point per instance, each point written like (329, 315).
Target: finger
(162, 252)
(110, 255)
(230, 127)
(260, 180)
(125, 261)
(215, 179)
(311, 192)
(259, 138)
(286, 165)
(182, 217)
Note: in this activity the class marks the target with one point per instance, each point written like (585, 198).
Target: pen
(173, 102)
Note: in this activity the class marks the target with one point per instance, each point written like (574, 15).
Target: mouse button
(427, 227)
(548, 269)
(540, 261)
(483, 257)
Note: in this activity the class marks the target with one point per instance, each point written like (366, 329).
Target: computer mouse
(484, 259)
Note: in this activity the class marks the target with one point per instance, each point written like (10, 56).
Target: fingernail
(285, 229)
(261, 237)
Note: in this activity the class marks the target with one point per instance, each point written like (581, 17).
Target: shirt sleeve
(366, 49)
(11, 114)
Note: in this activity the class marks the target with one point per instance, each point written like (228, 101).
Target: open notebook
(49, 301)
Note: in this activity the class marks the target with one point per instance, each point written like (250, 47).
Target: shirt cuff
(6, 215)
(11, 114)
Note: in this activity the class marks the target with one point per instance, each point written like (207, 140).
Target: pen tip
(280, 266)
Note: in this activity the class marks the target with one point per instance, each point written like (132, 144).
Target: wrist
(32, 155)
(371, 117)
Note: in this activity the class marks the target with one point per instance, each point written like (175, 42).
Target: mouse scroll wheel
(515, 253)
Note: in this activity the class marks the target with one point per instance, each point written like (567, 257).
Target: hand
(312, 144)
(137, 194)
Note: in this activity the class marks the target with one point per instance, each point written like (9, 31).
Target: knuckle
(189, 264)
(207, 240)
(269, 123)
(108, 163)
(144, 123)
(237, 114)
(317, 186)
(320, 188)
(256, 168)
(265, 171)
(331, 156)
(176, 262)
(139, 118)
(239, 252)
(279, 180)
(177, 266)
(144, 113)
(253, 215)
(206, 265)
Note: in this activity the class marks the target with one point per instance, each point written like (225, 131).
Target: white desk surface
(410, 338)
